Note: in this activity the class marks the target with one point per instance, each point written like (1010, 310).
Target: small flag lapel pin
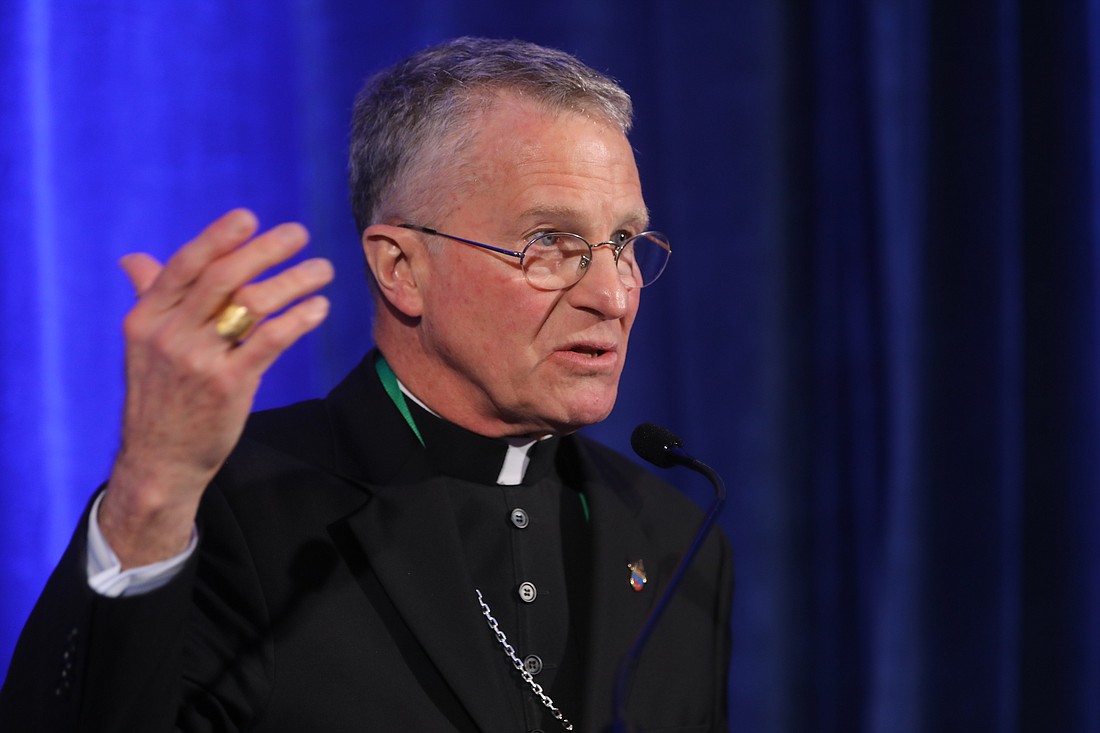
(637, 575)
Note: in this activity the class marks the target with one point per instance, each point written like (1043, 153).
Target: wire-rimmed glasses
(558, 260)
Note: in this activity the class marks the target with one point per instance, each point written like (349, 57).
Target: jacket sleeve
(153, 662)
(81, 654)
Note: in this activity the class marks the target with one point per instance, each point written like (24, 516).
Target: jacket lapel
(618, 611)
(415, 551)
(411, 544)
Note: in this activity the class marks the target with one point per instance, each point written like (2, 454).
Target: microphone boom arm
(671, 455)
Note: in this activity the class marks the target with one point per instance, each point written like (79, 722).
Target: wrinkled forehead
(478, 109)
(486, 102)
(504, 139)
(515, 128)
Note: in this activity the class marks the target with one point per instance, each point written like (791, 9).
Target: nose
(601, 289)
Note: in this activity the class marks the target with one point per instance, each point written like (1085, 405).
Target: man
(429, 548)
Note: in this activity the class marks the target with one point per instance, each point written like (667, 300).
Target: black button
(532, 664)
(519, 518)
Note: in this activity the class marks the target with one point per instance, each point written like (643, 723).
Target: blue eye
(547, 239)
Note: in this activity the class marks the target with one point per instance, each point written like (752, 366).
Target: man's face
(509, 359)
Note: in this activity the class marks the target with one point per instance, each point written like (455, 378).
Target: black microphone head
(655, 444)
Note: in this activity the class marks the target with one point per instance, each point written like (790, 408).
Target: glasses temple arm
(429, 230)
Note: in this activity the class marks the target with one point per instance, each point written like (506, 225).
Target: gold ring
(234, 322)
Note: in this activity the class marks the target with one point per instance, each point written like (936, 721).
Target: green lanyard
(393, 389)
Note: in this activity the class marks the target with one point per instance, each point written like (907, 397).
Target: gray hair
(428, 99)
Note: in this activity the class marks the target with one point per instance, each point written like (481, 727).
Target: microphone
(660, 446)
(664, 449)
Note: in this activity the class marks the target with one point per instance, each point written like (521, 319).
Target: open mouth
(589, 351)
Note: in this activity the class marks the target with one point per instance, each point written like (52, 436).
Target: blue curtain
(881, 323)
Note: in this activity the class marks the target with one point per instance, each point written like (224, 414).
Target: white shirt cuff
(105, 574)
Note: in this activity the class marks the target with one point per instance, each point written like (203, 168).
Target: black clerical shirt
(527, 549)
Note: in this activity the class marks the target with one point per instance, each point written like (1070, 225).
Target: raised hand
(189, 388)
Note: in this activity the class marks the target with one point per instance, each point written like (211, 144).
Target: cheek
(519, 309)
(499, 319)
(517, 332)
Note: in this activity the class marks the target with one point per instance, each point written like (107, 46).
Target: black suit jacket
(329, 593)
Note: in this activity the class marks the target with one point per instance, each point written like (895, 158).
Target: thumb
(142, 269)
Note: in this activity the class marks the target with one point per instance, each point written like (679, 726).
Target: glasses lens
(555, 260)
(643, 259)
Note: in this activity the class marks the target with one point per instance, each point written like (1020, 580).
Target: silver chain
(518, 663)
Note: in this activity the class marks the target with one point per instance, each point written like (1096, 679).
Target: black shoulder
(659, 506)
(302, 429)
(636, 485)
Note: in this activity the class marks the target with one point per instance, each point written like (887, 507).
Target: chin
(589, 413)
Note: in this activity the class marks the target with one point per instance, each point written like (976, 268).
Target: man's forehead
(495, 100)
(546, 166)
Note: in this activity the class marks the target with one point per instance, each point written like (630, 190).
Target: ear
(391, 252)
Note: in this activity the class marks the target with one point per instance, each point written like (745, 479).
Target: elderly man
(430, 547)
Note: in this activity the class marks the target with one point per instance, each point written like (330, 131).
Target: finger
(276, 335)
(222, 278)
(141, 269)
(183, 268)
(263, 298)
(277, 292)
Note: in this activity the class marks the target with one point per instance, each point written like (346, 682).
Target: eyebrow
(638, 218)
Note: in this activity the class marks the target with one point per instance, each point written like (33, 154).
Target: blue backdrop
(881, 322)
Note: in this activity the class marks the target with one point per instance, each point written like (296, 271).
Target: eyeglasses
(558, 260)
